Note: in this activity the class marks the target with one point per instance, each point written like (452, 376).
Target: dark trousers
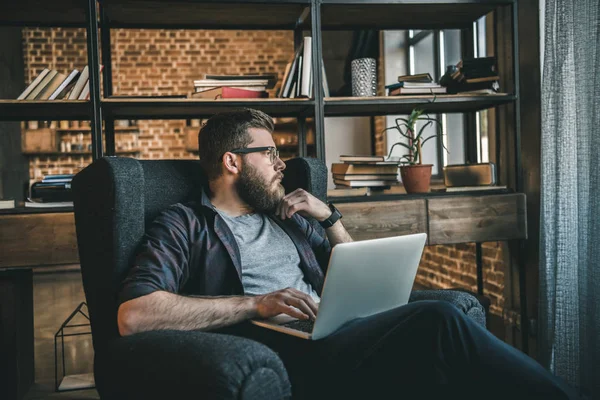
(425, 349)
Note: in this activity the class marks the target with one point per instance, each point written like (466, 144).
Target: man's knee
(439, 310)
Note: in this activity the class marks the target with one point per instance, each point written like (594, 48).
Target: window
(418, 51)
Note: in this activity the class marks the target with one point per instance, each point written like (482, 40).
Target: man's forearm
(163, 310)
(337, 233)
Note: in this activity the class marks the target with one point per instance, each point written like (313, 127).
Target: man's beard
(256, 192)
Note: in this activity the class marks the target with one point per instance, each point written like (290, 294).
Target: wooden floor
(56, 295)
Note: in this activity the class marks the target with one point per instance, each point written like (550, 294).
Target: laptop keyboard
(304, 325)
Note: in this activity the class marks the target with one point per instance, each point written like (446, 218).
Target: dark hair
(227, 131)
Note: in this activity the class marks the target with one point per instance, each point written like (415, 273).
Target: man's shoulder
(189, 212)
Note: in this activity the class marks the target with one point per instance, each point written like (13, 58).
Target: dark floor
(56, 294)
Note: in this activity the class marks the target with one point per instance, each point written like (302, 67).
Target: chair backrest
(114, 199)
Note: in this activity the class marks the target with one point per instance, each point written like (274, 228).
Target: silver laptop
(363, 278)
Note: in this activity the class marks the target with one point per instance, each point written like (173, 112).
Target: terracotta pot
(416, 178)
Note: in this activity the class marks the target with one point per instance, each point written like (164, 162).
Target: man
(244, 251)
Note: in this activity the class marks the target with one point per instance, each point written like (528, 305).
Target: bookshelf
(31, 110)
(157, 108)
(392, 105)
(311, 16)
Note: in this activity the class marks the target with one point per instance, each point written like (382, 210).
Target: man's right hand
(288, 301)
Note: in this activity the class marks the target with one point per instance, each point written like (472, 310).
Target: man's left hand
(303, 203)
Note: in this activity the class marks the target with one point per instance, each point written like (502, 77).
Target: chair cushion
(466, 302)
(173, 364)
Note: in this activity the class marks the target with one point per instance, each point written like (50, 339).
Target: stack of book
(415, 84)
(478, 75)
(215, 87)
(297, 77)
(365, 171)
(54, 85)
(51, 191)
(7, 203)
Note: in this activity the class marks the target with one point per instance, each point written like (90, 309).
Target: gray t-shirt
(270, 260)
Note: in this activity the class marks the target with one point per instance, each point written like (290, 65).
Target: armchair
(114, 199)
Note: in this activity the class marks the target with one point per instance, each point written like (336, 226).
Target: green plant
(406, 129)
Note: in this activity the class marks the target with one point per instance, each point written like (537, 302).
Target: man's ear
(231, 163)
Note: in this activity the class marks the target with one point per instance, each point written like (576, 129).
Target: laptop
(363, 278)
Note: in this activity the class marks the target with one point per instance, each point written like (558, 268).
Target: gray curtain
(570, 212)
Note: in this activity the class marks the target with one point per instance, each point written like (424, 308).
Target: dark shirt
(190, 250)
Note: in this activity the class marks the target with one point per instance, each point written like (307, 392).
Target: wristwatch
(333, 218)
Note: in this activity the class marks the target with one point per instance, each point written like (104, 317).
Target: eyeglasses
(272, 152)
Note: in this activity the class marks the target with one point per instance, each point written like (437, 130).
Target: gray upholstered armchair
(114, 200)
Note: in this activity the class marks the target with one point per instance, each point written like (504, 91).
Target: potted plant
(416, 176)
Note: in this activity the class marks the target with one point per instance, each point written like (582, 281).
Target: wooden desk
(28, 239)
(48, 238)
(447, 219)
(38, 238)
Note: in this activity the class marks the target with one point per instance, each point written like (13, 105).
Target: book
(401, 91)
(298, 81)
(362, 169)
(85, 92)
(326, 92)
(387, 162)
(366, 177)
(58, 176)
(79, 85)
(424, 77)
(286, 72)
(65, 86)
(413, 85)
(482, 79)
(378, 182)
(33, 84)
(288, 81)
(305, 83)
(229, 93)
(270, 78)
(35, 92)
(36, 204)
(221, 83)
(351, 158)
(51, 86)
(254, 88)
(469, 188)
(345, 191)
(7, 204)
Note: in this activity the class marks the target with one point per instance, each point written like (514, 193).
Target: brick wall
(454, 266)
(154, 62)
(165, 62)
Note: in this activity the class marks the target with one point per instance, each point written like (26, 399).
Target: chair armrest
(189, 364)
(466, 302)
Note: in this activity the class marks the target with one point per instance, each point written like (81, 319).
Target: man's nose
(279, 164)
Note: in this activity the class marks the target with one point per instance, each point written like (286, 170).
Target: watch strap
(333, 218)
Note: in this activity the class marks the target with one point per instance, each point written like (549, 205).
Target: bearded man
(244, 251)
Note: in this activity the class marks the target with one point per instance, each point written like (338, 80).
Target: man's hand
(286, 301)
(303, 203)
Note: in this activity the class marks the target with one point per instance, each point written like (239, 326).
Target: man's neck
(227, 200)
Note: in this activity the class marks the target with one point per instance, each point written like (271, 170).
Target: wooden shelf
(414, 196)
(404, 14)
(448, 219)
(88, 129)
(75, 153)
(170, 108)
(45, 110)
(205, 14)
(393, 105)
(58, 13)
